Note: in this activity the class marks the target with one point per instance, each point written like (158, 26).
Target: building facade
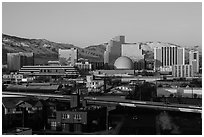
(17, 60)
(133, 51)
(53, 63)
(84, 66)
(12, 77)
(168, 56)
(194, 60)
(66, 71)
(89, 119)
(97, 65)
(113, 50)
(182, 71)
(68, 56)
(94, 85)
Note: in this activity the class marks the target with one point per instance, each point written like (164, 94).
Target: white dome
(123, 63)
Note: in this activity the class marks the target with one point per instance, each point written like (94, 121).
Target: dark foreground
(132, 121)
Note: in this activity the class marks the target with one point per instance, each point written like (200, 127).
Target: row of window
(13, 76)
(18, 109)
(67, 116)
(48, 70)
(178, 72)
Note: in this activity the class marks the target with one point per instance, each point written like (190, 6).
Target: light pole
(192, 92)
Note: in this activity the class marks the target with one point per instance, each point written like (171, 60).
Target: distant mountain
(44, 50)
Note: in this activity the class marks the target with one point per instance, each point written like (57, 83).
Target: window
(65, 116)
(194, 56)
(77, 116)
(9, 110)
(190, 69)
(186, 71)
(53, 124)
(183, 71)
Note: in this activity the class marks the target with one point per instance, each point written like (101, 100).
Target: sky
(85, 24)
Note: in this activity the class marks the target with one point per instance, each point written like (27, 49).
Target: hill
(43, 50)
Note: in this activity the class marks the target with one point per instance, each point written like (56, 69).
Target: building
(124, 63)
(12, 77)
(97, 65)
(89, 65)
(135, 53)
(53, 71)
(53, 63)
(182, 71)
(149, 64)
(140, 65)
(94, 85)
(16, 60)
(194, 60)
(79, 117)
(132, 51)
(34, 88)
(68, 56)
(165, 70)
(83, 66)
(168, 56)
(19, 111)
(113, 50)
(87, 119)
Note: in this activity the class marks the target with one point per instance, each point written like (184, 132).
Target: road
(114, 101)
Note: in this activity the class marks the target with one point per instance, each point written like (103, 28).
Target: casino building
(168, 56)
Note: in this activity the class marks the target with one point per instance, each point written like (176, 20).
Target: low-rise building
(53, 71)
(86, 66)
(97, 65)
(12, 77)
(16, 60)
(139, 65)
(85, 119)
(53, 63)
(182, 71)
(34, 87)
(20, 111)
(94, 85)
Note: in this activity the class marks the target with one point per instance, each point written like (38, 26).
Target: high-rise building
(113, 50)
(194, 60)
(135, 53)
(168, 56)
(68, 56)
(17, 60)
(132, 51)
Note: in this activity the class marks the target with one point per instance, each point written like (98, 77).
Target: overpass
(116, 101)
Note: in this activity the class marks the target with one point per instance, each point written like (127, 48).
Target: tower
(194, 60)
